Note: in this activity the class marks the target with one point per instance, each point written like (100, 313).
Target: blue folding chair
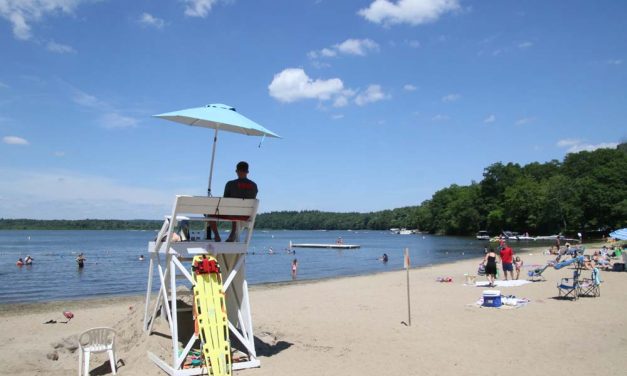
(569, 287)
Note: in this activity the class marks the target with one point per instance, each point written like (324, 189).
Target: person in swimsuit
(518, 263)
(294, 268)
(490, 266)
(80, 260)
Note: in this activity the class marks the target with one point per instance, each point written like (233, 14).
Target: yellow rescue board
(210, 315)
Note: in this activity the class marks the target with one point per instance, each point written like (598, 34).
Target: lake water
(112, 266)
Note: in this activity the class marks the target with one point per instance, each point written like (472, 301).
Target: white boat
(404, 231)
(483, 235)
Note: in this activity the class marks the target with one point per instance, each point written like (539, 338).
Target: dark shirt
(240, 188)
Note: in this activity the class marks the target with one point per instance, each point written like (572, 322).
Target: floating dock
(319, 245)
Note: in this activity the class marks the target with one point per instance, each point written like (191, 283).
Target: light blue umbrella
(218, 117)
(619, 234)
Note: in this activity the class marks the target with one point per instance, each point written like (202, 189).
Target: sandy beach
(357, 326)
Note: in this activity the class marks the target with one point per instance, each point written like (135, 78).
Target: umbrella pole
(213, 154)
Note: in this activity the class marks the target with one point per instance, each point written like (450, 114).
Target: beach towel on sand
(510, 283)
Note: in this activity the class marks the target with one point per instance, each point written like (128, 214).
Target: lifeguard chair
(168, 259)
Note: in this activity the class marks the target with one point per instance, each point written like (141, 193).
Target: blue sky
(379, 103)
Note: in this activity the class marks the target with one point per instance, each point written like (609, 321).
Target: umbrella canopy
(219, 117)
(619, 234)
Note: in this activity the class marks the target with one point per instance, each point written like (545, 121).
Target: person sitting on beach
(602, 261)
(28, 260)
(242, 187)
(588, 263)
(518, 263)
(19, 262)
(384, 258)
(618, 252)
(80, 260)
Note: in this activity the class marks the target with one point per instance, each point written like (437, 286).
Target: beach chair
(591, 286)
(95, 340)
(536, 274)
(569, 287)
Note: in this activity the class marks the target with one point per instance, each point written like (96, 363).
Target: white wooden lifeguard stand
(167, 257)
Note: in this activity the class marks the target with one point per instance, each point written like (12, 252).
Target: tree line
(586, 192)
(81, 224)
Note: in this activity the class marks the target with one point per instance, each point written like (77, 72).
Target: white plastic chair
(95, 340)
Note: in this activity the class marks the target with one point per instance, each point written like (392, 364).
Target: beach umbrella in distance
(219, 117)
(619, 234)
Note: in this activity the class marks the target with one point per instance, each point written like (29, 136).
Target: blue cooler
(491, 298)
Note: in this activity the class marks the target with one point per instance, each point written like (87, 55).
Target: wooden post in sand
(407, 264)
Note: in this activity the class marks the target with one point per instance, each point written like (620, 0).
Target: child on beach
(518, 263)
(294, 268)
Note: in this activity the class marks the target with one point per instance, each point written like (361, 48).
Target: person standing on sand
(242, 187)
(518, 263)
(507, 258)
(489, 261)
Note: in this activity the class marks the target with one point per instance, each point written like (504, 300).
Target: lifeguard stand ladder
(167, 257)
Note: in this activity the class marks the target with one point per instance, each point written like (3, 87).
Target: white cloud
(319, 64)
(614, 62)
(450, 98)
(337, 116)
(575, 146)
(409, 87)
(22, 13)
(14, 140)
(372, 94)
(110, 117)
(567, 142)
(340, 101)
(67, 194)
(413, 12)
(148, 20)
(525, 120)
(525, 45)
(356, 47)
(59, 154)
(293, 84)
(86, 100)
(115, 120)
(199, 8)
(440, 117)
(59, 48)
(490, 119)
